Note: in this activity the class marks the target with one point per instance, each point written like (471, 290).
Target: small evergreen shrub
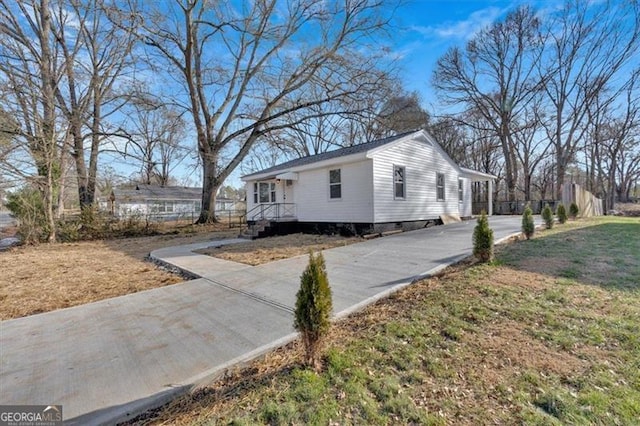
(528, 226)
(483, 239)
(573, 210)
(561, 212)
(313, 308)
(547, 215)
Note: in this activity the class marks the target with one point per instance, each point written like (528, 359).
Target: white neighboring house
(161, 202)
(401, 182)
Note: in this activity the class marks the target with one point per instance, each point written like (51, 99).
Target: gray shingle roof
(330, 154)
(155, 192)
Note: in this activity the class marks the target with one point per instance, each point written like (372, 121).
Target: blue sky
(427, 28)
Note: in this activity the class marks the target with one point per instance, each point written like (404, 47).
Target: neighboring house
(161, 202)
(402, 182)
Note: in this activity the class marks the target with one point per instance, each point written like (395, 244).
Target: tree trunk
(48, 206)
(81, 167)
(59, 210)
(561, 169)
(95, 146)
(527, 186)
(210, 186)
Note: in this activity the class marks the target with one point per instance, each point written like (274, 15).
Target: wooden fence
(588, 204)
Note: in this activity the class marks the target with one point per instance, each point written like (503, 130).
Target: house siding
(356, 204)
(422, 162)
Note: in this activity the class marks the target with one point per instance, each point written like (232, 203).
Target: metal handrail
(273, 211)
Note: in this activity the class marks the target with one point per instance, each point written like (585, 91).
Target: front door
(288, 198)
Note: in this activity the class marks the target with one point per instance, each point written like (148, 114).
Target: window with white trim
(399, 182)
(335, 184)
(440, 186)
(460, 190)
(264, 192)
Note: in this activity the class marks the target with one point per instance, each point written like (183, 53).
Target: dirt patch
(44, 278)
(258, 252)
(526, 279)
(507, 344)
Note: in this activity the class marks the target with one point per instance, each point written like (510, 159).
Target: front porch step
(256, 230)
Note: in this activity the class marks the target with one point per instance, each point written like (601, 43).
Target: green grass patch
(548, 334)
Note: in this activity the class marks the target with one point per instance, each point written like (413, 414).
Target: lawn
(547, 334)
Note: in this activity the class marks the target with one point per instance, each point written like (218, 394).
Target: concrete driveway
(108, 360)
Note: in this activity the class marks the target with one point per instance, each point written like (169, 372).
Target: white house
(161, 202)
(401, 182)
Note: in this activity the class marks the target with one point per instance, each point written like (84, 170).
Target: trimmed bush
(561, 212)
(313, 308)
(547, 215)
(573, 210)
(528, 226)
(483, 239)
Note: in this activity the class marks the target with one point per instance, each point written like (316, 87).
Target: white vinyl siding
(422, 162)
(313, 202)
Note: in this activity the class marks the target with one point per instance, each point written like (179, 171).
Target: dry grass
(270, 249)
(43, 278)
(628, 209)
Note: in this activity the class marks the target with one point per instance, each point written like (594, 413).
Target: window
(264, 192)
(162, 207)
(440, 186)
(335, 184)
(398, 182)
(460, 190)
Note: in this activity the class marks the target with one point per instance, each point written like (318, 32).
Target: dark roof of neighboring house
(331, 154)
(143, 192)
(156, 192)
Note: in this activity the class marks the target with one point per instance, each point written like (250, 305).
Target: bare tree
(452, 138)
(614, 121)
(345, 121)
(400, 114)
(531, 146)
(495, 76)
(155, 139)
(242, 66)
(588, 45)
(30, 72)
(95, 56)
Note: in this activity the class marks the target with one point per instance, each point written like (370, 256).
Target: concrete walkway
(107, 360)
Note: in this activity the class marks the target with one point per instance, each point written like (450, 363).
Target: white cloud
(461, 30)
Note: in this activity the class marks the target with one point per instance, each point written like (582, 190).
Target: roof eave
(474, 173)
(311, 166)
